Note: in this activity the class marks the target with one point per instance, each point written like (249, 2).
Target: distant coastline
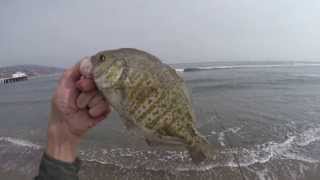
(30, 69)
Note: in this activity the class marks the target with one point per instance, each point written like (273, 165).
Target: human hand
(76, 107)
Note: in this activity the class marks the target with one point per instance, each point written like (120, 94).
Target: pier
(18, 76)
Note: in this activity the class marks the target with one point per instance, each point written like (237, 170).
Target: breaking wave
(204, 68)
(290, 149)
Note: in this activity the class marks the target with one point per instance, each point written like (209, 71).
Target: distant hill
(30, 70)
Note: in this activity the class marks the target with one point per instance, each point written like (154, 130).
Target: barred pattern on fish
(149, 96)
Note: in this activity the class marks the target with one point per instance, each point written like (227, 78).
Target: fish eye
(102, 58)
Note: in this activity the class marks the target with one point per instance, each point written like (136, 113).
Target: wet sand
(12, 175)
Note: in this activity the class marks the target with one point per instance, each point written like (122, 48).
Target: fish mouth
(86, 67)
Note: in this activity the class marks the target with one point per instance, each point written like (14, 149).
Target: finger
(72, 75)
(102, 117)
(66, 88)
(98, 98)
(86, 84)
(69, 78)
(99, 109)
(84, 99)
(97, 120)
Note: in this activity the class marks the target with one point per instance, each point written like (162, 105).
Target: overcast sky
(59, 32)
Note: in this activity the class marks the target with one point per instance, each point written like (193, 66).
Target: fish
(150, 97)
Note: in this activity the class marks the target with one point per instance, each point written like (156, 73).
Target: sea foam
(20, 142)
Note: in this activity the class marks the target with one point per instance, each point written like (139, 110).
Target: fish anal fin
(151, 143)
(154, 139)
(197, 155)
(128, 123)
(201, 150)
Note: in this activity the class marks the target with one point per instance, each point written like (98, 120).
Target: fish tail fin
(201, 150)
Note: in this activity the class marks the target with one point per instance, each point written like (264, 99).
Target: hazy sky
(59, 32)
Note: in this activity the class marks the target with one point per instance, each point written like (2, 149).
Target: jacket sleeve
(52, 169)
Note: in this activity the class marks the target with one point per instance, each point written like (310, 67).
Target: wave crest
(204, 68)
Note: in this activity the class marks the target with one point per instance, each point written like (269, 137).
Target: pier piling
(12, 79)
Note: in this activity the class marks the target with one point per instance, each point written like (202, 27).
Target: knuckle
(66, 72)
(64, 75)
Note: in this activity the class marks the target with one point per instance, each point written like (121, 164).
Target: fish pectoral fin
(129, 124)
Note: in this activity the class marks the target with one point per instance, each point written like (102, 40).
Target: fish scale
(153, 106)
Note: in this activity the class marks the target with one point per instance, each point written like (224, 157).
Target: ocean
(265, 116)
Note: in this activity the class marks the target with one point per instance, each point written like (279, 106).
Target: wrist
(62, 152)
(60, 145)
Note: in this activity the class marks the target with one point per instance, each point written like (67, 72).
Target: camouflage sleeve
(52, 169)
